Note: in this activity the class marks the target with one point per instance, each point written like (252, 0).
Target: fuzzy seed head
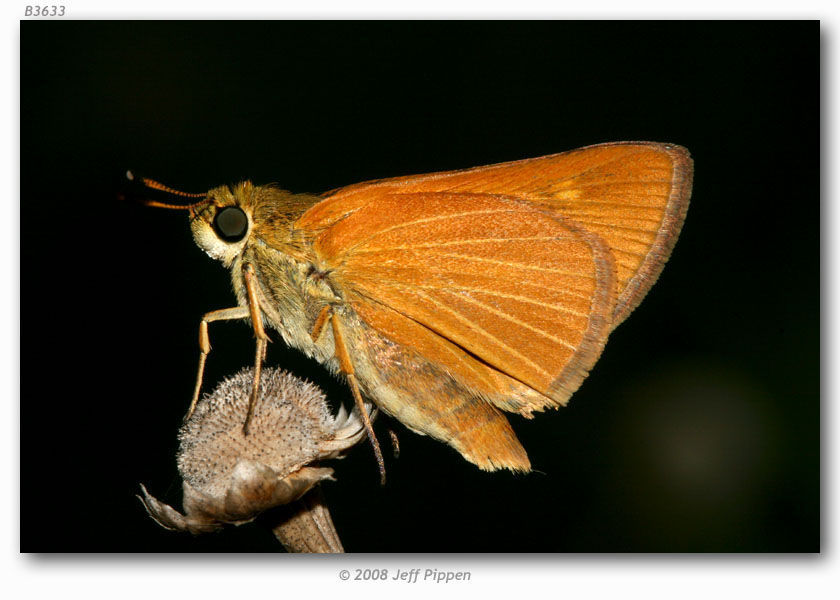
(291, 427)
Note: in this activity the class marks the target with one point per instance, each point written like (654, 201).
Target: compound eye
(231, 224)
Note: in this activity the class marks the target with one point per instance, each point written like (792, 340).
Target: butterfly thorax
(291, 292)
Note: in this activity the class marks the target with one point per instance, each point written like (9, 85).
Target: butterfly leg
(346, 366)
(322, 319)
(225, 314)
(395, 442)
(262, 339)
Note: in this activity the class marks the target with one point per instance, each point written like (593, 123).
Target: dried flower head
(231, 477)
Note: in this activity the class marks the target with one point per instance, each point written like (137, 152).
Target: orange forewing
(632, 194)
(508, 277)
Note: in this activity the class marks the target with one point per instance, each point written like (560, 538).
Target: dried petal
(169, 518)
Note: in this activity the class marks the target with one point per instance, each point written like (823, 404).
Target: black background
(698, 430)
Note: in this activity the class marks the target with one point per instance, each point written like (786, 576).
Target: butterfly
(452, 298)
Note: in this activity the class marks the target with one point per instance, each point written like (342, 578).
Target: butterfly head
(224, 219)
(222, 223)
(221, 220)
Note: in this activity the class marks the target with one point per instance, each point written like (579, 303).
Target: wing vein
(629, 238)
(466, 241)
(463, 288)
(567, 203)
(512, 319)
(619, 250)
(588, 217)
(519, 266)
(512, 264)
(599, 165)
(485, 333)
(431, 220)
(611, 183)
